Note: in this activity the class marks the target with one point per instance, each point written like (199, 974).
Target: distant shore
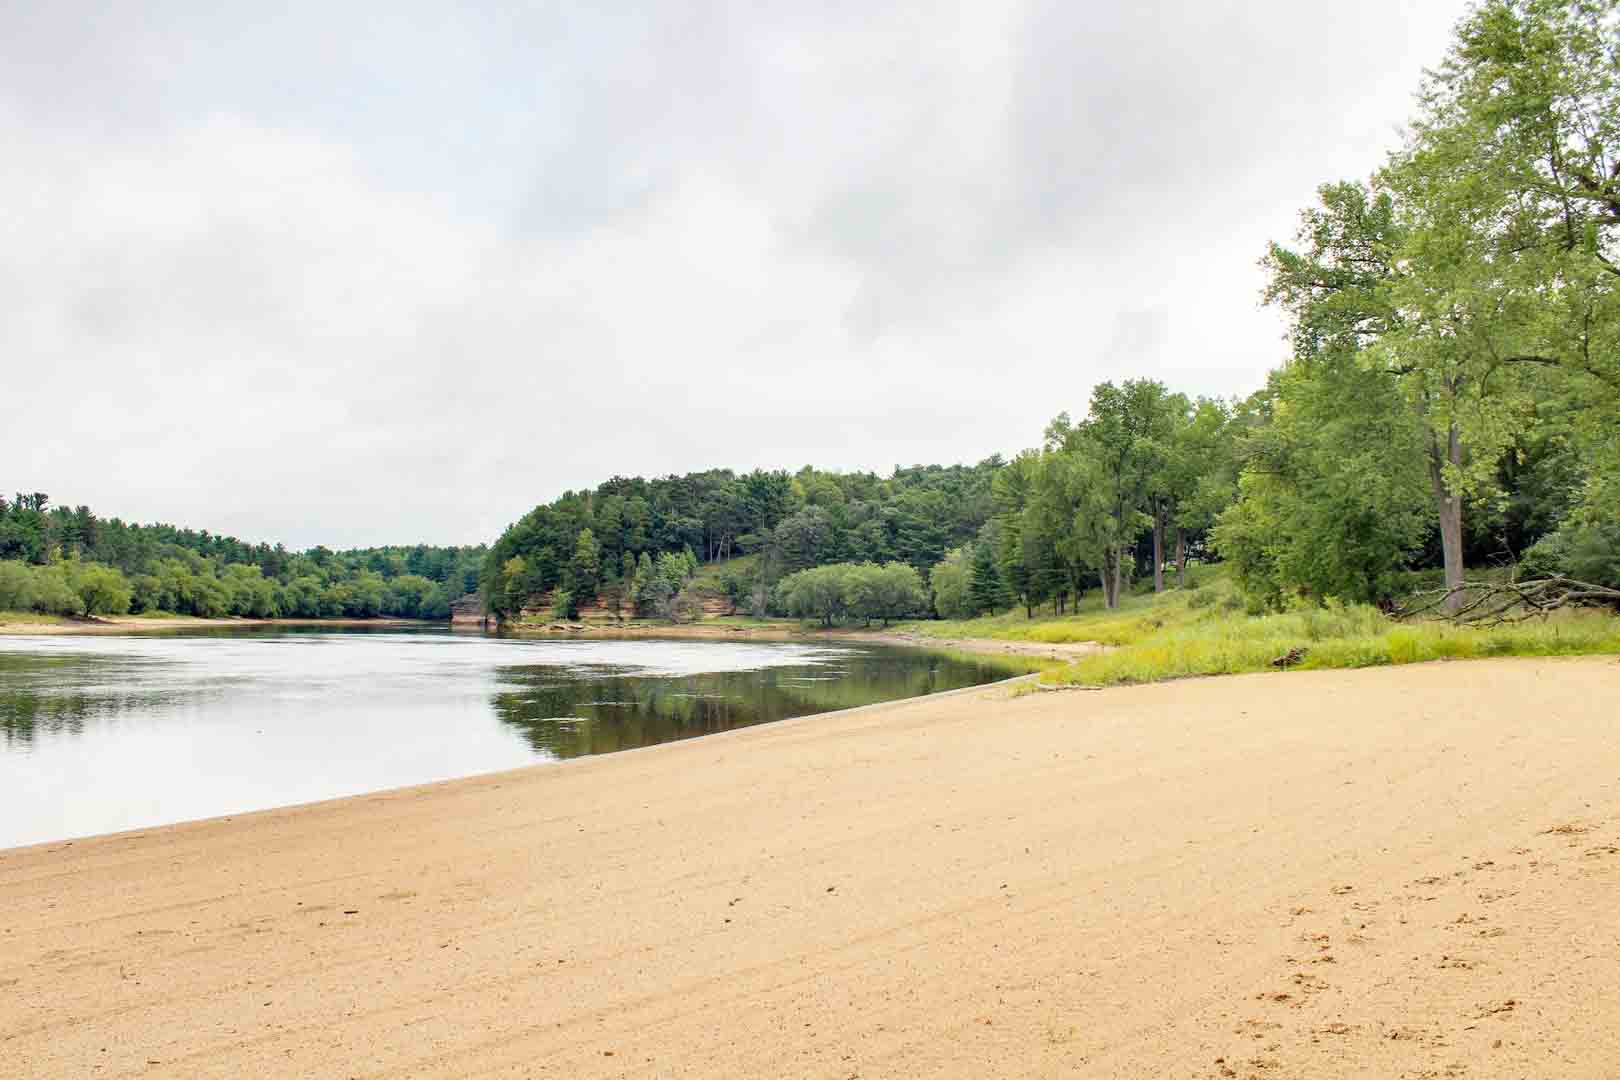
(703, 631)
(789, 631)
(129, 624)
(1388, 872)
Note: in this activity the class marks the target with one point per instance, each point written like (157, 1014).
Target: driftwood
(1290, 658)
(1495, 603)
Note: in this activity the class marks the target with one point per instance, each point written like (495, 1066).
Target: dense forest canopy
(69, 561)
(791, 521)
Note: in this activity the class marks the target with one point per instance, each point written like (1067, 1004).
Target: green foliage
(112, 567)
(1334, 638)
(1332, 502)
(1585, 552)
(101, 589)
(949, 580)
(1477, 277)
(863, 591)
(985, 589)
(815, 593)
(777, 522)
(70, 588)
(585, 569)
(1204, 630)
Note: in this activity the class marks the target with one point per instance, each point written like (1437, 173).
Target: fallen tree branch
(1497, 603)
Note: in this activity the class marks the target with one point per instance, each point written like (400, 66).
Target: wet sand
(1400, 872)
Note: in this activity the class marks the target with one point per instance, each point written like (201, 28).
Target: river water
(100, 734)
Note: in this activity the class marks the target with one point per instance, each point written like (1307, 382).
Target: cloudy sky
(322, 274)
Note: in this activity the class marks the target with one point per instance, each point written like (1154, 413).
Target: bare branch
(1499, 603)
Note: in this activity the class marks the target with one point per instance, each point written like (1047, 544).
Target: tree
(101, 590)
(1362, 291)
(803, 539)
(819, 592)
(582, 580)
(1514, 162)
(949, 580)
(1102, 475)
(896, 592)
(647, 593)
(985, 590)
(16, 587)
(736, 587)
(1331, 500)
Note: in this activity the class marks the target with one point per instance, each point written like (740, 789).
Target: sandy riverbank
(1399, 872)
(715, 631)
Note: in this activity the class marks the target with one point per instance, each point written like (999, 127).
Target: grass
(1204, 630)
(31, 618)
(1139, 616)
(709, 574)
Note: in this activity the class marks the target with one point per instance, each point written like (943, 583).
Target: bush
(101, 590)
(1585, 552)
(16, 587)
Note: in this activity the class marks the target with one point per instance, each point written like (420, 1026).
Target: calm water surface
(99, 734)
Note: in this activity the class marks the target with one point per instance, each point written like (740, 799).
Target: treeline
(577, 545)
(1452, 399)
(61, 560)
(1453, 395)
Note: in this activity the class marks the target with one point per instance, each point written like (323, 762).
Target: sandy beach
(1401, 872)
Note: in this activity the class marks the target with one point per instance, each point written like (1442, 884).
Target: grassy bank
(1204, 630)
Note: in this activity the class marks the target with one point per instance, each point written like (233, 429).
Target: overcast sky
(321, 274)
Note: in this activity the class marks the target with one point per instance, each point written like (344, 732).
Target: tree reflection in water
(596, 710)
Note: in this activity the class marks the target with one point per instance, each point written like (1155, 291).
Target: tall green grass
(1206, 630)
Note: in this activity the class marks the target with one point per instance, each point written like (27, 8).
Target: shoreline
(989, 689)
(790, 632)
(1135, 881)
(136, 624)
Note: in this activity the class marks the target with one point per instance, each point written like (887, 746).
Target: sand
(811, 633)
(1068, 650)
(1408, 872)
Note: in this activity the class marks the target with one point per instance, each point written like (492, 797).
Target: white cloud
(407, 292)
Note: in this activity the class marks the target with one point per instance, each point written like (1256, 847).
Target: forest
(67, 561)
(607, 542)
(1450, 401)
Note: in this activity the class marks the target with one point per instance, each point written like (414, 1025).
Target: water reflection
(597, 711)
(59, 694)
(106, 733)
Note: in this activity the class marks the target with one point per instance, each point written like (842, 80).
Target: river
(101, 734)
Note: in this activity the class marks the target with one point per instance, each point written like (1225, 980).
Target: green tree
(819, 592)
(101, 590)
(584, 571)
(985, 590)
(896, 592)
(1101, 476)
(949, 580)
(1332, 498)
